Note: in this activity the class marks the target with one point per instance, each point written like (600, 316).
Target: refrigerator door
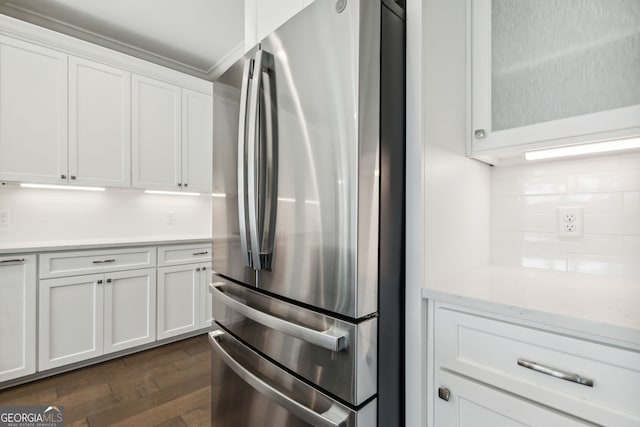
(230, 229)
(248, 390)
(339, 357)
(323, 74)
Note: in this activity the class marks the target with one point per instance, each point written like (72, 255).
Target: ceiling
(199, 37)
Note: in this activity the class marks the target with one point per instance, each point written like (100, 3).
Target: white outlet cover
(5, 217)
(570, 221)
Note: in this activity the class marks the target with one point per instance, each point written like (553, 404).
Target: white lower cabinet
(86, 316)
(180, 293)
(206, 306)
(496, 371)
(17, 316)
(471, 404)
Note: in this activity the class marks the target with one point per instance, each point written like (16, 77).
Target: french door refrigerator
(308, 223)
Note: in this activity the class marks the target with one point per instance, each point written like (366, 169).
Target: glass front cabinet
(549, 73)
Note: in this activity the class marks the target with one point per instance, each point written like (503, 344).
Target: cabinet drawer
(183, 254)
(490, 350)
(62, 264)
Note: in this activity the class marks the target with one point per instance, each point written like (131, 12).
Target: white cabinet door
(99, 124)
(71, 320)
(206, 311)
(17, 316)
(129, 309)
(471, 404)
(197, 141)
(156, 133)
(33, 113)
(562, 75)
(178, 300)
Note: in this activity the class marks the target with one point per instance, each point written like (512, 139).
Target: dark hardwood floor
(164, 386)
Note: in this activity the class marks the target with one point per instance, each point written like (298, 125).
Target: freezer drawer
(248, 390)
(338, 356)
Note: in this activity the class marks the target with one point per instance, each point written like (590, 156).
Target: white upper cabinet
(156, 134)
(264, 16)
(33, 113)
(558, 73)
(99, 124)
(172, 137)
(197, 141)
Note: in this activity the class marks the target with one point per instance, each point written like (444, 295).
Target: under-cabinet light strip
(575, 150)
(172, 193)
(62, 187)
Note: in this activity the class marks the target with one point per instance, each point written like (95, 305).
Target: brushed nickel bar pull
(7, 261)
(242, 161)
(574, 378)
(103, 261)
(201, 253)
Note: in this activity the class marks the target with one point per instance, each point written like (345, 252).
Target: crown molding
(227, 61)
(16, 11)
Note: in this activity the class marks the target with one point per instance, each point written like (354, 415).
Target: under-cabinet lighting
(575, 150)
(221, 195)
(172, 193)
(62, 187)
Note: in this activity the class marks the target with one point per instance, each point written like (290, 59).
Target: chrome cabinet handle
(73, 177)
(63, 176)
(7, 261)
(322, 339)
(479, 133)
(109, 280)
(444, 394)
(574, 378)
(103, 261)
(332, 417)
(242, 160)
(201, 253)
(99, 282)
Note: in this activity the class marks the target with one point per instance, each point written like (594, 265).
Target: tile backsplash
(524, 217)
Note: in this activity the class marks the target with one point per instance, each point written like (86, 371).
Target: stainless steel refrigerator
(308, 223)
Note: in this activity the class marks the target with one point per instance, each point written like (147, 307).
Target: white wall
(525, 199)
(45, 215)
(450, 227)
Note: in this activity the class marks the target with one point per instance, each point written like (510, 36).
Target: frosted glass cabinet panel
(553, 72)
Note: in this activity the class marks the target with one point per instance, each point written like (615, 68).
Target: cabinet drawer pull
(7, 261)
(102, 261)
(201, 253)
(574, 378)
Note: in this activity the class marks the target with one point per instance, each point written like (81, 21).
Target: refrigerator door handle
(252, 164)
(242, 159)
(333, 417)
(324, 339)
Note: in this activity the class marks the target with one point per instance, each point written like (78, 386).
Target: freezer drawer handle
(102, 261)
(201, 253)
(7, 261)
(574, 378)
(333, 417)
(322, 339)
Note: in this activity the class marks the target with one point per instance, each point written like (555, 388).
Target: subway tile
(548, 184)
(604, 265)
(632, 202)
(544, 260)
(619, 224)
(546, 223)
(505, 172)
(507, 221)
(623, 180)
(505, 187)
(505, 204)
(587, 244)
(541, 204)
(506, 239)
(631, 247)
(590, 202)
(631, 161)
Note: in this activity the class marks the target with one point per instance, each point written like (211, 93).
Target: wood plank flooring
(164, 386)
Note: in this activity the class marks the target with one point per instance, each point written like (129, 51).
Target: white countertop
(585, 303)
(66, 245)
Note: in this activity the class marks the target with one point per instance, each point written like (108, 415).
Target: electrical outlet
(5, 217)
(570, 221)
